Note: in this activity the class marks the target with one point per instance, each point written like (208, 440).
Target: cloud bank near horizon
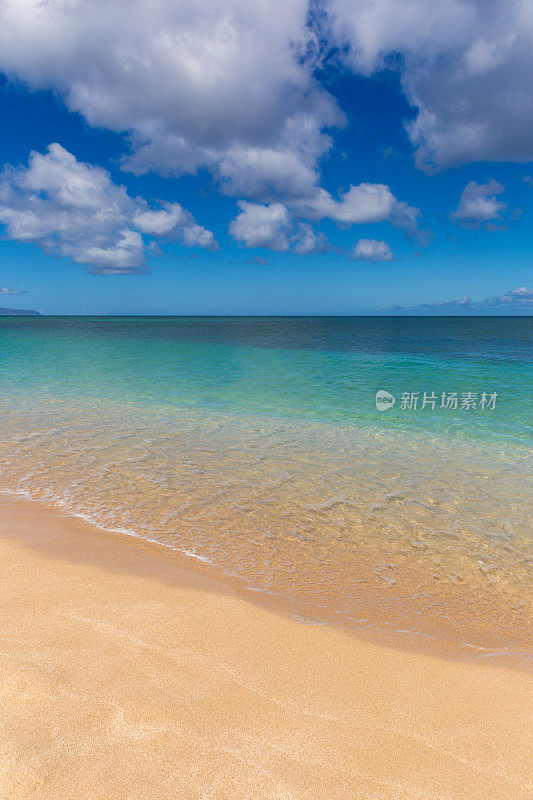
(7, 291)
(518, 301)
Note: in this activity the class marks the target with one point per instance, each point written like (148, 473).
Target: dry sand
(122, 675)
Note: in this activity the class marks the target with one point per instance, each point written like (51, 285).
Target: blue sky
(291, 158)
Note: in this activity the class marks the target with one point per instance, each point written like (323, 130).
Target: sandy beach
(123, 675)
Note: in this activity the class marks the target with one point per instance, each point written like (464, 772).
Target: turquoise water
(255, 445)
(316, 369)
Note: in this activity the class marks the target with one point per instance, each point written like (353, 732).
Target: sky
(274, 157)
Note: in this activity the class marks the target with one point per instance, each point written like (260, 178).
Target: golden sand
(122, 675)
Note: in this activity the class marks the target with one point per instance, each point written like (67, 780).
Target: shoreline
(178, 567)
(126, 675)
(295, 515)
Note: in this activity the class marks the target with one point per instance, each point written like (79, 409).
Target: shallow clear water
(255, 444)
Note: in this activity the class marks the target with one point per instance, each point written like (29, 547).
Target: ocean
(257, 445)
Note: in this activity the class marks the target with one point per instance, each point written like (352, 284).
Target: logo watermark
(445, 401)
(384, 400)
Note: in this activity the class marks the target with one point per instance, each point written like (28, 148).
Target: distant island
(18, 312)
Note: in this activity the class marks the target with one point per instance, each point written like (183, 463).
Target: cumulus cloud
(479, 204)
(462, 65)
(73, 209)
(231, 86)
(262, 226)
(366, 203)
(372, 250)
(225, 85)
(271, 226)
(172, 221)
(306, 240)
(5, 290)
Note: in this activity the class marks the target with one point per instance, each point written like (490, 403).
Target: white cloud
(262, 226)
(223, 85)
(305, 240)
(479, 203)
(172, 221)
(372, 250)
(462, 65)
(268, 173)
(73, 209)
(231, 86)
(363, 204)
(5, 290)
(271, 226)
(521, 295)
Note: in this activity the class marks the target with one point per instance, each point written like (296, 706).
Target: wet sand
(125, 675)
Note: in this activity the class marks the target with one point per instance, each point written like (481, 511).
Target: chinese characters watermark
(446, 401)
